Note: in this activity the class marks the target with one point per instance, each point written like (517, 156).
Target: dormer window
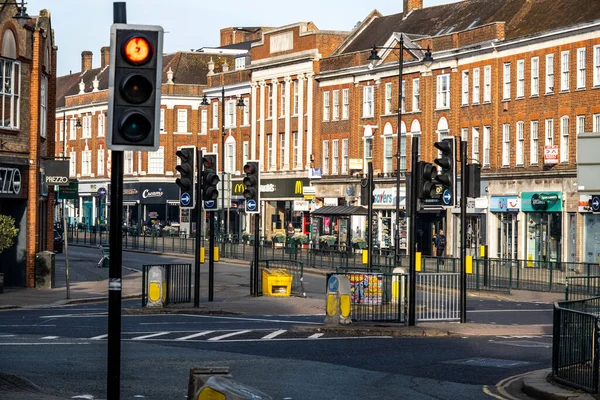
(240, 63)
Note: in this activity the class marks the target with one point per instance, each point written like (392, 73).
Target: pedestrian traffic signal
(134, 88)
(447, 161)
(252, 187)
(210, 180)
(426, 185)
(187, 171)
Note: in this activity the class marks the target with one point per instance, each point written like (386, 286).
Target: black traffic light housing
(426, 180)
(252, 187)
(187, 171)
(134, 89)
(473, 180)
(210, 180)
(447, 162)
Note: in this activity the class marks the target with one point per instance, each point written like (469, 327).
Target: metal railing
(295, 268)
(575, 350)
(582, 287)
(178, 283)
(438, 296)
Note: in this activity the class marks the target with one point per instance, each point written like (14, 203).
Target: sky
(190, 24)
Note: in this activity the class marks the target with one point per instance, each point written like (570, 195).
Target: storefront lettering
(130, 192)
(56, 179)
(384, 198)
(270, 188)
(10, 181)
(147, 194)
(542, 201)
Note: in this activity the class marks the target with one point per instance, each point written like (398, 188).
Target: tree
(8, 232)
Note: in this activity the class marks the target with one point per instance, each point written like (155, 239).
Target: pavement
(88, 283)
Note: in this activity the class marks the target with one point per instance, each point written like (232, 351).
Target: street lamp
(240, 103)
(427, 60)
(22, 17)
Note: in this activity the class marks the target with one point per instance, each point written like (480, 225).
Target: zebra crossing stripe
(227, 335)
(275, 334)
(150, 336)
(195, 335)
(316, 336)
(99, 337)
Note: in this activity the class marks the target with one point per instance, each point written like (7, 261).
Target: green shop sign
(541, 202)
(70, 192)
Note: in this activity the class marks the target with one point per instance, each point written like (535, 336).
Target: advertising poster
(366, 288)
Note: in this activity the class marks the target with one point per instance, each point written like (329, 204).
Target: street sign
(251, 205)
(210, 205)
(595, 203)
(101, 192)
(185, 199)
(447, 197)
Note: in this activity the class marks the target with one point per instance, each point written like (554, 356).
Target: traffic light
(473, 180)
(447, 162)
(134, 88)
(426, 175)
(210, 180)
(187, 170)
(367, 191)
(252, 187)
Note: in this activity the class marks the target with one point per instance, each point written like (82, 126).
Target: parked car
(58, 242)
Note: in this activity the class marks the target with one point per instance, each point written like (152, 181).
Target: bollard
(365, 256)
(218, 384)
(469, 264)
(201, 255)
(418, 261)
(216, 253)
(156, 287)
(339, 303)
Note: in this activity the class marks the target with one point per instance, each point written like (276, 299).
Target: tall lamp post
(240, 103)
(427, 59)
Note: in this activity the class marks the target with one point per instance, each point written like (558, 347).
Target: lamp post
(427, 59)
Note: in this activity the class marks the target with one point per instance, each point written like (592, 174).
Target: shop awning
(340, 210)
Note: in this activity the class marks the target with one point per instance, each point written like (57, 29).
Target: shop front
(543, 219)
(591, 231)
(384, 218)
(476, 226)
(505, 226)
(278, 197)
(92, 205)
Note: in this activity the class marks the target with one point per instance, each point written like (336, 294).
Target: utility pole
(463, 231)
(412, 244)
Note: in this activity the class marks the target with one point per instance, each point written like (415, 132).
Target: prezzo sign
(11, 183)
(57, 173)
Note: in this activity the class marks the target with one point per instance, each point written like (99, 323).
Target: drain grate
(489, 362)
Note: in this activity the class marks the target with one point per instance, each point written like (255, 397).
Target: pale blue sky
(189, 24)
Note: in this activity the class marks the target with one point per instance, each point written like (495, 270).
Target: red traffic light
(207, 162)
(250, 168)
(138, 50)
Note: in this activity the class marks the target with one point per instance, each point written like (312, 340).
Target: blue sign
(447, 196)
(251, 205)
(595, 203)
(185, 199)
(209, 204)
(333, 284)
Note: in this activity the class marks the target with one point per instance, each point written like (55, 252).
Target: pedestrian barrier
(438, 296)
(582, 287)
(105, 260)
(293, 268)
(175, 286)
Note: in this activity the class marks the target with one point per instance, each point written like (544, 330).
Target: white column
(261, 122)
(275, 133)
(80, 209)
(94, 216)
(300, 84)
(286, 112)
(309, 117)
(253, 144)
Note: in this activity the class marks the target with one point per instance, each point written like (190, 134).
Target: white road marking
(495, 311)
(86, 315)
(41, 344)
(229, 335)
(23, 326)
(49, 337)
(1, 336)
(316, 336)
(99, 337)
(275, 334)
(195, 335)
(150, 336)
(253, 319)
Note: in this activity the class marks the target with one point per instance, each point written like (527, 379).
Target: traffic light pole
(370, 218)
(412, 248)
(198, 209)
(113, 370)
(256, 254)
(463, 231)
(211, 261)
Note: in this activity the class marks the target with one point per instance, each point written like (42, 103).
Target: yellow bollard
(201, 255)
(216, 253)
(418, 261)
(365, 256)
(469, 264)
(209, 393)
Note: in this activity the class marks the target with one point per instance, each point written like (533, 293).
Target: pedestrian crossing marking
(195, 335)
(100, 337)
(275, 334)
(316, 336)
(227, 335)
(150, 336)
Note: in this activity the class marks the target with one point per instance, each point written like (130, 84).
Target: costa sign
(11, 182)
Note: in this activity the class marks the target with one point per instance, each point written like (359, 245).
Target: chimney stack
(86, 60)
(410, 5)
(105, 56)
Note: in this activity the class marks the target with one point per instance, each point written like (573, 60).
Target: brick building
(27, 70)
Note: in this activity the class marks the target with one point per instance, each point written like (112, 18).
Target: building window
(246, 111)
(520, 143)
(416, 94)
(388, 98)
(403, 97)
(86, 127)
(215, 115)
(506, 84)
(596, 126)
(296, 83)
(230, 155)
(476, 87)
(387, 154)
(335, 162)
(403, 152)
(240, 63)
(72, 163)
(162, 119)
(475, 145)
(336, 105)
(246, 152)
(283, 103)
(86, 163)
(464, 134)
(533, 153)
(368, 151)
(596, 66)
(549, 132)
(44, 105)
(368, 101)
(182, 125)
(101, 125)
(215, 148)
(271, 161)
(345, 156)
(581, 68)
(506, 145)
(230, 116)
(128, 162)
(535, 76)
(325, 106)
(156, 161)
(520, 78)
(564, 139)
(282, 150)
(549, 73)
(580, 124)
(204, 122)
(465, 88)
(296, 161)
(10, 73)
(61, 130)
(443, 91)
(270, 101)
(100, 168)
(486, 146)
(345, 103)
(487, 84)
(72, 129)
(564, 71)
(326, 157)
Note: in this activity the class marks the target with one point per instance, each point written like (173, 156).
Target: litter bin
(276, 282)
(44, 270)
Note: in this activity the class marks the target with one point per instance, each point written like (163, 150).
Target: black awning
(340, 210)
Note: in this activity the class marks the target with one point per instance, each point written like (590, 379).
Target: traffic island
(375, 330)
